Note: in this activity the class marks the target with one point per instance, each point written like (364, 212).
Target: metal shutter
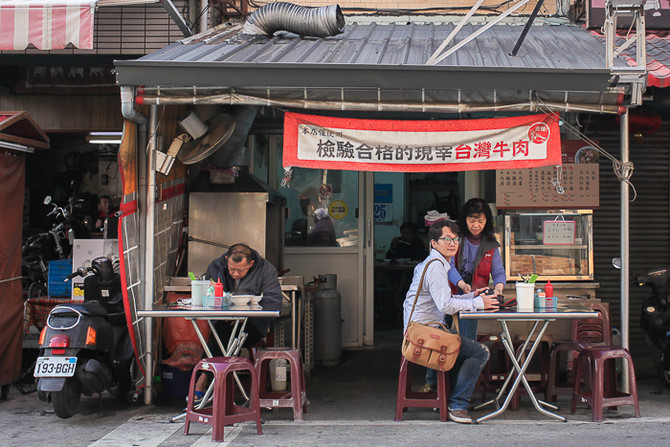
(649, 221)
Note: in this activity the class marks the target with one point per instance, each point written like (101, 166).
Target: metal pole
(204, 15)
(526, 28)
(625, 261)
(150, 201)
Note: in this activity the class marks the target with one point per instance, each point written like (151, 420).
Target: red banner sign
(420, 146)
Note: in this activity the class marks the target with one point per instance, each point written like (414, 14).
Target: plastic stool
(555, 387)
(495, 371)
(407, 398)
(543, 358)
(223, 410)
(296, 398)
(603, 374)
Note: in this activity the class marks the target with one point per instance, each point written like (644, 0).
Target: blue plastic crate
(58, 271)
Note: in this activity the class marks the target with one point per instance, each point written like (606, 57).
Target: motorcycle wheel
(66, 401)
(37, 289)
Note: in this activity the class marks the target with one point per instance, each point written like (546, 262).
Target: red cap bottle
(218, 288)
(549, 289)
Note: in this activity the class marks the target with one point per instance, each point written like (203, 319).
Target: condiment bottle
(549, 289)
(218, 288)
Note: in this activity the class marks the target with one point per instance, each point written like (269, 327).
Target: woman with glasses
(478, 258)
(434, 301)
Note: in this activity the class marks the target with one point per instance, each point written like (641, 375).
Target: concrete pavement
(351, 404)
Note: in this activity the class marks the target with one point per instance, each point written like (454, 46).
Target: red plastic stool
(496, 369)
(603, 392)
(296, 398)
(407, 398)
(555, 386)
(223, 410)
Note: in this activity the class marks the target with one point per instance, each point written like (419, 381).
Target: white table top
(201, 312)
(562, 312)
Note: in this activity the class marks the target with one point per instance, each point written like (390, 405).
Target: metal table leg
(520, 370)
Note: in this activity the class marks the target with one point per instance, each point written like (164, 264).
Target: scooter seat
(91, 309)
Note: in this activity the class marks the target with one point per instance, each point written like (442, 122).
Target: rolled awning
(46, 24)
(51, 24)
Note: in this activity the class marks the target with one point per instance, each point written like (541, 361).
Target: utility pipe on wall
(625, 251)
(150, 203)
(128, 107)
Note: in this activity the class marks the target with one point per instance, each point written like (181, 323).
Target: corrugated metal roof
(385, 57)
(560, 47)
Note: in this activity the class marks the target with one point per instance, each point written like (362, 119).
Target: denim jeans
(466, 328)
(465, 373)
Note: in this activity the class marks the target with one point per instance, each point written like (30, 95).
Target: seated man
(243, 271)
(409, 245)
(105, 210)
(323, 233)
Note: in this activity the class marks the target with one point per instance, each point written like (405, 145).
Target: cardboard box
(87, 250)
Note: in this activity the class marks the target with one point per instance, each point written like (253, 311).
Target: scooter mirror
(616, 262)
(47, 200)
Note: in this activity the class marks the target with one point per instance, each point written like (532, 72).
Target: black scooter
(655, 317)
(85, 347)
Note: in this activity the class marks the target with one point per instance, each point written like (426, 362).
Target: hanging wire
(286, 181)
(556, 181)
(623, 171)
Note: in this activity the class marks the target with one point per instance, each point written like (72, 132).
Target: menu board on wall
(537, 187)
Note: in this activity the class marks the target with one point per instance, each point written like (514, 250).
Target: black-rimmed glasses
(450, 240)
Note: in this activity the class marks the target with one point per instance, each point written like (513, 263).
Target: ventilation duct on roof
(304, 21)
(232, 152)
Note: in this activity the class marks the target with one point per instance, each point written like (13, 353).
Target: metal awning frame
(381, 100)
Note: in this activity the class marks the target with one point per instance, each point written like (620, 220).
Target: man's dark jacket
(261, 278)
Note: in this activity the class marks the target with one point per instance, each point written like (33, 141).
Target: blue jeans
(465, 373)
(466, 328)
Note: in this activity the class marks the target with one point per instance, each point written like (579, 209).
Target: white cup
(198, 290)
(525, 296)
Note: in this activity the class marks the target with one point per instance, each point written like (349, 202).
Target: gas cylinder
(327, 321)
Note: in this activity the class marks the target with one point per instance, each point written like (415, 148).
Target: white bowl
(240, 300)
(255, 300)
(240, 307)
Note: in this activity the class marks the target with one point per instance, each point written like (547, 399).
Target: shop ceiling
(382, 67)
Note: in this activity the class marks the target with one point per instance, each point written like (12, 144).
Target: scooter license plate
(55, 366)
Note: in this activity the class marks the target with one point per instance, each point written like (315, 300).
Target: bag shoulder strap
(418, 290)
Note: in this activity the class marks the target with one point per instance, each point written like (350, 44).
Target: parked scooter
(85, 347)
(655, 317)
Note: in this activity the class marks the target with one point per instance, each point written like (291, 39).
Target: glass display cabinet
(555, 245)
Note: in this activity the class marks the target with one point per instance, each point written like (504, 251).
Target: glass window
(552, 244)
(322, 208)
